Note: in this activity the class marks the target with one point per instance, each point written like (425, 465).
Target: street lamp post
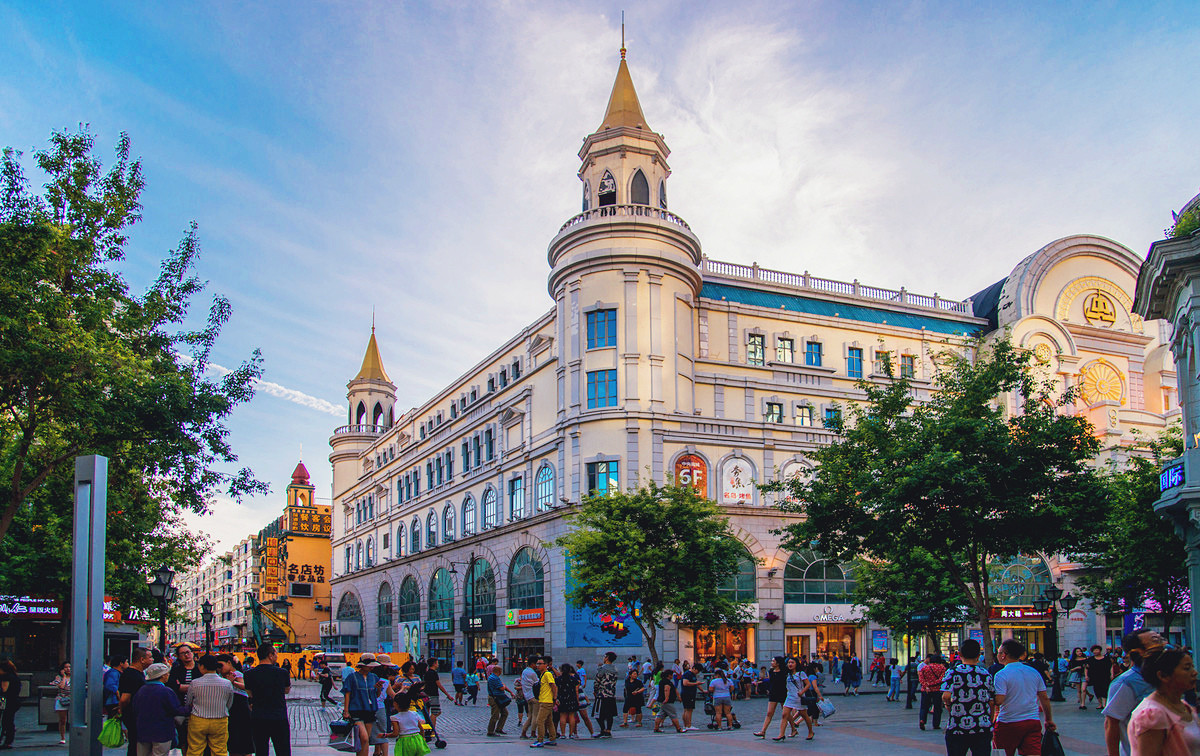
(162, 590)
(1051, 599)
(206, 614)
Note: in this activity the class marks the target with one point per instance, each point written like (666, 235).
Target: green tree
(956, 475)
(1136, 555)
(88, 367)
(664, 550)
(899, 592)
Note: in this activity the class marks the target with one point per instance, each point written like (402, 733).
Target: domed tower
(371, 404)
(301, 492)
(625, 274)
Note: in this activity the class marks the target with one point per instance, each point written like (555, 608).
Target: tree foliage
(665, 550)
(957, 476)
(87, 367)
(910, 584)
(1137, 556)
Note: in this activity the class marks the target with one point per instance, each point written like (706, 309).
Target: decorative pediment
(540, 343)
(511, 416)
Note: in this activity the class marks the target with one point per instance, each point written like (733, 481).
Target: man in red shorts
(1020, 691)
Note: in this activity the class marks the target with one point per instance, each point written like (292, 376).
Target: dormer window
(639, 189)
(608, 190)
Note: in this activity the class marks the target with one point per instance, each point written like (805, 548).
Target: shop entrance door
(801, 643)
(518, 650)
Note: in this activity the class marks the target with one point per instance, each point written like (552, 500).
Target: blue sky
(416, 159)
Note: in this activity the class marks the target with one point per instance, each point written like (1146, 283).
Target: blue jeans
(894, 691)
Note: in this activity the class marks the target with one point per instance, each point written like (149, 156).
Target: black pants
(606, 713)
(8, 725)
(975, 743)
(932, 701)
(327, 686)
(274, 731)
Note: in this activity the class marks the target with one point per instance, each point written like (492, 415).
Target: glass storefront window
(734, 642)
(1017, 581)
(811, 579)
(742, 587)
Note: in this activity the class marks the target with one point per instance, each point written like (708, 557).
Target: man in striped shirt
(209, 698)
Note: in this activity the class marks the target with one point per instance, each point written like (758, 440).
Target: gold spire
(623, 106)
(372, 365)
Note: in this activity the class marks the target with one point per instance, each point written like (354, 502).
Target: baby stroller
(427, 728)
(711, 711)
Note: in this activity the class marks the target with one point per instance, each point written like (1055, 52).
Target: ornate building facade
(655, 361)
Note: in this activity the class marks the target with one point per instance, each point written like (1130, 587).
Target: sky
(410, 162)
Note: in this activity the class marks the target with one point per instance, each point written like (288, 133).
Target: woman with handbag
(776, 692)
(62, 699)
(797, 684)
(499, 697)
(812, 697)
(1075, 669)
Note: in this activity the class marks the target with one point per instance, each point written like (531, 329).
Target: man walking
(1020, 691)
(268, 685)
(968, 691)
(208, 698)
(1128, 690)
(132, 679)
(529, 678)
(606, 695)
(545, 733)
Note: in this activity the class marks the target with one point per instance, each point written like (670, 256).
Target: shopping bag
(111, 734)
(1051, 745)
(347, 741)
(826, 707)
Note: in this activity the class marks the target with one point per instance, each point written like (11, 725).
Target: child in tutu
(407, 728)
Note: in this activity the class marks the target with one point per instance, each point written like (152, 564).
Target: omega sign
(829, 616)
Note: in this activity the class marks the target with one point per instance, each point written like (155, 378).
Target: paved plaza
(862, 726)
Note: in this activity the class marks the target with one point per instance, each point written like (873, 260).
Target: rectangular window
(602, 389)
(503, 377)
(489, 444)
(812, 354)
(453, 411)
(832, 415)
(516, 369)
(422, 430)
(756, 349)
(491, 385)
(601, 329)
(883, 361)
(478, 451)
(908, 366)
(785, 350)
(474, 394)
(416, 482)
(450, 465)
(854, 362)
(516, 498)
(429, 475)
(602, 477)
(774, 412)
(438, 468)
(466, 456)
(804, 415)
(301, 590)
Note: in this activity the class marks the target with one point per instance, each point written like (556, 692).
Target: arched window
(377, 415)
(349, 608)
(414, 531)
(408, 603)
(490, 510)
(742, 586)
(401, 544)
(358, 556)
(385, 616)
(811, 579)
(608, 190)
(431, 523)
(448, 523)
(587, 196)
(662, 194)
(1017, 581)
(639, 189)
(543, 489)
(468, 517)
(480, 589)
(360, 415)
(441, 595)
(526, 581)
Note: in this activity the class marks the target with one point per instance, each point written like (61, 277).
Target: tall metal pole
(162, 625)
(87, 605)
(1056, 689)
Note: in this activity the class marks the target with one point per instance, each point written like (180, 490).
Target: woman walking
(568, 700)
(1097, 674)
(634, 700)
(62, 699)
(776, 692)
(721, 690)
(1075, 672)
(811, 696)
(797, 684)
(895, 674)
(1164, 724)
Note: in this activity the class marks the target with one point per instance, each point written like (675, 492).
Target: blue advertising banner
(879, 641)
(977, 635)
(586, 628)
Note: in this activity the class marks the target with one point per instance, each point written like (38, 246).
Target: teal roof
(775, 301)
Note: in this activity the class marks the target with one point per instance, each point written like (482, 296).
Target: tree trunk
(650, 633)
(985, 624)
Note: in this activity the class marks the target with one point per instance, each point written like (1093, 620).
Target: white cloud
(287, 394)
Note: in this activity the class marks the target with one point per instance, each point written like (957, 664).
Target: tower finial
(372, 319)
(622, 35)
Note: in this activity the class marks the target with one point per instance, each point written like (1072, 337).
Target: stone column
(1168, 288)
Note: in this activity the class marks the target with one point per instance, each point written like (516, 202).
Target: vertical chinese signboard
(690, 470)
(270, 569)
(737, 481)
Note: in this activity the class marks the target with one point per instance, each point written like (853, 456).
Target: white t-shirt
(1019, 684)
(529, 677)
(409, 722)
(647, 668)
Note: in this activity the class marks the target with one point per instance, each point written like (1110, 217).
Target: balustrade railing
(617, 211)
(376, 430)
(850, 288)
